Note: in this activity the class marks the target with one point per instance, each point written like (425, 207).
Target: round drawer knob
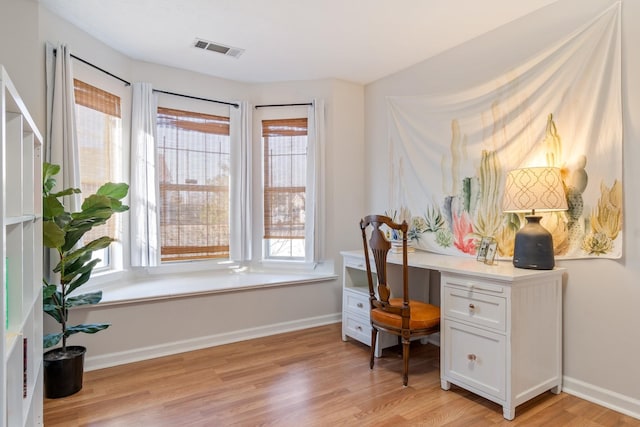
(359, 328)
(359, 305)
(472, 307)
(471, 357)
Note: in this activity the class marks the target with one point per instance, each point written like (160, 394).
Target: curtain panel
(450, 152)
(144, 227)
(316, 220)
(241, 189)
(61, 146)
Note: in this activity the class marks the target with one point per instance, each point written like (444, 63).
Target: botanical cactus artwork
(558, 104)
(458, 223)
(576, 181)
(463, 219)
(605, 221)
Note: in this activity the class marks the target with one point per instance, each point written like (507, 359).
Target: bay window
(204, 196)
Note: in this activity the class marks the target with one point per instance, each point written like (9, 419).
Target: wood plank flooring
(303, 378)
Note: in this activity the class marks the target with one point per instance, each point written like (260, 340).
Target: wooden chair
(399, 316)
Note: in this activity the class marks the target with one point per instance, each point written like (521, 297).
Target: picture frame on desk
(490, 256)
(483, 248)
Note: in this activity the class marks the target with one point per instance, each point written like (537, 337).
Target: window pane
(194, 165)
(285, 248)
(285, 175)
(99, 132)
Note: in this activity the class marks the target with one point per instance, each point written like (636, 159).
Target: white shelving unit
(21, 266)
(356, 322)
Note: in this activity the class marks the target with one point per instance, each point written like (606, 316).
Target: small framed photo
(483, 248)
(491, 253)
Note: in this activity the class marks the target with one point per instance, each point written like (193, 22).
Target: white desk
(501, 326)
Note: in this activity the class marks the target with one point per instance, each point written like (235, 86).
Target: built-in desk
(501, 326)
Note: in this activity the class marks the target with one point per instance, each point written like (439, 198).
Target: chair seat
(423, 315)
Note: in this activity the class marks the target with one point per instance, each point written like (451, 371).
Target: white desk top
(501, 270)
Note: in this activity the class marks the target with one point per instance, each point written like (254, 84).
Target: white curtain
(315, 211)
(62, 143)
(145, 246)
(240, 134)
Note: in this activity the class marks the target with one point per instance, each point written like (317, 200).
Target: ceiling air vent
(219, 48)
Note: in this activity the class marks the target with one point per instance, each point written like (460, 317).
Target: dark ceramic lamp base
(533, 246)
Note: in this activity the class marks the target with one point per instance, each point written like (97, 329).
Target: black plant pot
(63, 371)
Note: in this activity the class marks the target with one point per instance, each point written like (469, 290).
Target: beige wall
(21, 54)
(600, 296)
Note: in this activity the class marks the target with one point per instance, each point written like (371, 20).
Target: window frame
(260, 244)
(206, 188)
(118, 252)
(267, 190)
(204, 107)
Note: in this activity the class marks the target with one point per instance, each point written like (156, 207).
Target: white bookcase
(21, 266)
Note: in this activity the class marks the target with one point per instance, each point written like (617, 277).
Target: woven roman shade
(285, 174)
(96, 98)
(99, 130)
(194, 174)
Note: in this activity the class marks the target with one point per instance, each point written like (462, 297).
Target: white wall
(601, 316)
(21, 54)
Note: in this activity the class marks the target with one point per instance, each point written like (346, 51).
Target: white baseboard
(145, 353)
(603, 397)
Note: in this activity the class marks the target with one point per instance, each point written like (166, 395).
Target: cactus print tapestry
(450, 153)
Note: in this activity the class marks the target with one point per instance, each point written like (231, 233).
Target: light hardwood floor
(303, 378)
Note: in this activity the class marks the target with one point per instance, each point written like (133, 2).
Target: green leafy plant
(63, 231)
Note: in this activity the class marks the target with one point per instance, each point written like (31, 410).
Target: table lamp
(530, 190)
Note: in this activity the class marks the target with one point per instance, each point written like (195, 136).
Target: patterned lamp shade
(528, 190)
(534, 189)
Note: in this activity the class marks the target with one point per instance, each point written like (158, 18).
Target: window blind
(194, 170)
(285, 174)
(96, 98)
(99, 130)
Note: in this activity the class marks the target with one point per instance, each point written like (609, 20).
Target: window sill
(153, 288)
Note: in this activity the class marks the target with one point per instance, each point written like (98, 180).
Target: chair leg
(374, 337)
(406, 345)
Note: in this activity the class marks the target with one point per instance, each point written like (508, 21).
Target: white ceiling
(354, 40)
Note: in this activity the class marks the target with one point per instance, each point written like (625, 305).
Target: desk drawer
(475, 307)
(356, 302)
(357, 327)
(358, 263)
(475, 358)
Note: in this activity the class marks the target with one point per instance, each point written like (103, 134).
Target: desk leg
(508, 413)
(378, 351)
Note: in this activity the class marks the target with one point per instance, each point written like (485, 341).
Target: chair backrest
(374, 239)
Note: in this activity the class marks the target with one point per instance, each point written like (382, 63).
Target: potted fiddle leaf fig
(63, 231)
